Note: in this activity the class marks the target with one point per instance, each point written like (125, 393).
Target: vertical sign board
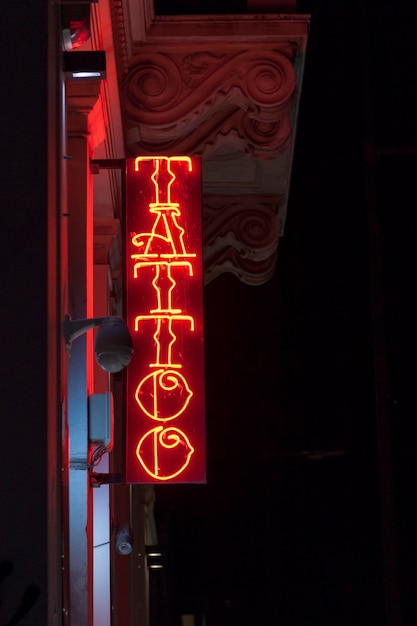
(165, 417)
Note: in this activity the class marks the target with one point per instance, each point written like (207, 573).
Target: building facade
(223, 87)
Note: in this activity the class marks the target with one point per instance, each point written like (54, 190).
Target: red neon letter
(164, 313)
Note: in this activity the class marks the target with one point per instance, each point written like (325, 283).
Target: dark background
(308, 515)
(311, 405)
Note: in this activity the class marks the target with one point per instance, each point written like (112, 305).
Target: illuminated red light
(165, 421)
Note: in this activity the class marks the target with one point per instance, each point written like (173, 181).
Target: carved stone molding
(199, 102)
(241, 236)
(225, 87)
(120, 37)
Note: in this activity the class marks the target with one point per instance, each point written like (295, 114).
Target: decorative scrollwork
(196, 101)
(270, 82)
(195, 67)
(240, 236)
(154, 84)
(264, 137)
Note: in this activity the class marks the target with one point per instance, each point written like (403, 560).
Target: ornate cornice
(120, 38)
(201, 101)
(224, 87)
(241, 236)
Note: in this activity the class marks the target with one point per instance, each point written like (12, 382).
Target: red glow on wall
(165, 418)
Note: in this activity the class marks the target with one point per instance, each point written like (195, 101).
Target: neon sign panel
(165, 421)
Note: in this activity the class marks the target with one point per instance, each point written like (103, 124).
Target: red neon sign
(165, 419)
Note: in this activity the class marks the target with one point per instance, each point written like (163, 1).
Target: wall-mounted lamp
(113, 345)
(85, 65)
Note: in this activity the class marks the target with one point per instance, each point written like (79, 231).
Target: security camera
(123, 538)
(113, 345)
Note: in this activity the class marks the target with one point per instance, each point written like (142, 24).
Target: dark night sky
(278, 536)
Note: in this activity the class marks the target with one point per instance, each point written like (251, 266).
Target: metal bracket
(106, 164)
(97, 479)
